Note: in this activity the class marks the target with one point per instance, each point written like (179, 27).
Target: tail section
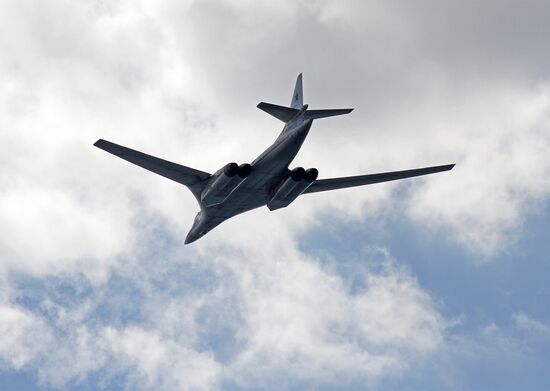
(298, 96)
(283, 113)
(316, 114)
(286, 114)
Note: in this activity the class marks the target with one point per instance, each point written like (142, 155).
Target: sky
(440, 282)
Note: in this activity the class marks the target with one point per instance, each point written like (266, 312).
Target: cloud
(425, 92)
(298, 313)
(149, 76)
(501, 176)
(530, 325)
(161, 364)
(227, 322)
(477, 354)
(23, 337)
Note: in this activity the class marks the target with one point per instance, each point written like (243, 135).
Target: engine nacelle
(224, 183)
(297, 182)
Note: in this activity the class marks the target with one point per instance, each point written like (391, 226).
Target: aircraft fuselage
(235, 189)
(269, 169)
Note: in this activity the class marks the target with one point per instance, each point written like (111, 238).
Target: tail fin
(298, 96)
(285, 114)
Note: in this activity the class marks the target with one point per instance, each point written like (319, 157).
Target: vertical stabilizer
(286, 114)
(297, 98)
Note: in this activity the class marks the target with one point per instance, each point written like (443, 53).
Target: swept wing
(360, 180)
(190, 177)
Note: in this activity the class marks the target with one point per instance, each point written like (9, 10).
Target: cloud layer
(226, 322)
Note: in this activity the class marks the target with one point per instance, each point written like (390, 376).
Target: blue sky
(432, 283)
(482, 296)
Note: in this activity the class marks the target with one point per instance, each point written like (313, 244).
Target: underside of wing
(360, 180)
(187, 176)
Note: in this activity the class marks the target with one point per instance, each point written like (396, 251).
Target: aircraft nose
(191, 237)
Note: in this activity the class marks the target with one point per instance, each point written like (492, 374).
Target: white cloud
(49, 231)
(502, 171)
(530, 325)
(149, 76)
(162, 364)
(298, 313)
(255, 321)
(23, 337)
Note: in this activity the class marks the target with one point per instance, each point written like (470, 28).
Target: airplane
(235, 189)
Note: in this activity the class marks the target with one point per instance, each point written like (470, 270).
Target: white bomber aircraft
(235, 189)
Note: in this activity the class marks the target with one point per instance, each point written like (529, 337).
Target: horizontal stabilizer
(282, 113)
(360, 180)
(285, 114)
(315, 114)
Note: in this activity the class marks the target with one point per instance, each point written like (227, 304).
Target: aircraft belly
(253, 193)
(268, 170)
(279, 155)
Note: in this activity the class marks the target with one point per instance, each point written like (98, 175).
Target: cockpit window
(198, 219)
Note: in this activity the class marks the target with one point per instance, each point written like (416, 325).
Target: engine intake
(296, 183)
(224, 182)
(311, 175)
(297, 174)
(231, 169)
(244, 170)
